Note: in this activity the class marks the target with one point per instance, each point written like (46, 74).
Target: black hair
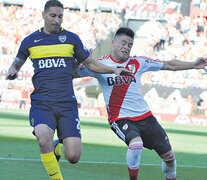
(52, 3)
(124, 31)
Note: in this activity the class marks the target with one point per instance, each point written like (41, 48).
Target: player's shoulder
(30, 38)
(148, 59)
(70, 34)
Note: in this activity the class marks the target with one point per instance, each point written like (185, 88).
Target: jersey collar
(41, 30)
(117, 61)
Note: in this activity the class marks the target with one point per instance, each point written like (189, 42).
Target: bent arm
(97, 67)
(176, 65)
(14, 68)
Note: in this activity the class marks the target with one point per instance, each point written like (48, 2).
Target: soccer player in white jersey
(128, 113)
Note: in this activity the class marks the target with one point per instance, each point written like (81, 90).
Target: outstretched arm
(14, 68)
(97, 67)
(176, 65)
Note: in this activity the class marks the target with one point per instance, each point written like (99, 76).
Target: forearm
(176, 65)
(99, 68)
(14, 68)
(17, 63)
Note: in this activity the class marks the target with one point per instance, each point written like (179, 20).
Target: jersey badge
(125, 127)
(62, 38)
(132, 68)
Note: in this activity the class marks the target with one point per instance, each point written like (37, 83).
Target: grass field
(103, 154)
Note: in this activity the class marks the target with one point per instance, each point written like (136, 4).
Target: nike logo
(53, 174)
(37, 40)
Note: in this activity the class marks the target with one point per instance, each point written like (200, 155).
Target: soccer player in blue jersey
(53, 51)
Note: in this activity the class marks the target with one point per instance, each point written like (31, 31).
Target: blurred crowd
(184, 39)
(200, 3)
(17, 22)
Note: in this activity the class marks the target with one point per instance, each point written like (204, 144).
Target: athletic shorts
(62, 116)
(150, 131)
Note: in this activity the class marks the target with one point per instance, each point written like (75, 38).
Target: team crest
(62, 38)
(132, 68)
(125, 127)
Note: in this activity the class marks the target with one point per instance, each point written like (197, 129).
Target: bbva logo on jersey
(50, 63)
(118, 80)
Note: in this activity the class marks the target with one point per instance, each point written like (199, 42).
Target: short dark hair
(52, 3)
(124, 31)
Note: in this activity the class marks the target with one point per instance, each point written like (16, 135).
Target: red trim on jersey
(138, 118)
(120, 62)
(103, 57)
(119, 92)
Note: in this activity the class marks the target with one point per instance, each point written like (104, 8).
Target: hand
(12, 74)
(201, 63)
(122, 72)
(11, 77)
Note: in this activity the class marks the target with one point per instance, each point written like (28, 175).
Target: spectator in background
(25, 92)
(185, 107)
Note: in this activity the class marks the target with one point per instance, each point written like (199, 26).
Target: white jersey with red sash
(122, 94)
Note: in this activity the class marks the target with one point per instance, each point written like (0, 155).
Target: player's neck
(115, 58)
(48, 32)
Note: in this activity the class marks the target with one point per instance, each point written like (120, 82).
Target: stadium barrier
(101, 112)
(172, 118)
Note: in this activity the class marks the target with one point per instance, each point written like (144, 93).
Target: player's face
(53, 19)
(121, 47)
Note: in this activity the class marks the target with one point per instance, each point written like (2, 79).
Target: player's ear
(113, 42)
(43, 15)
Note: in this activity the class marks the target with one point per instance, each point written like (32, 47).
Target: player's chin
(55, 30)
(124, 57)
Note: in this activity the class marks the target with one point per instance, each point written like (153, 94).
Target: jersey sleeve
(149, 64)
(81, 53)
(23, 52)
(82, 71)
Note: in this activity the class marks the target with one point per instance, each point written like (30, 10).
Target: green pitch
(103, 154)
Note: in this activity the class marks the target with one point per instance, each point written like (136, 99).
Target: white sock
(169, 168)
(133, 155)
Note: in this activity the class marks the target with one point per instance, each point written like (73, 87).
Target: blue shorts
(62, 116)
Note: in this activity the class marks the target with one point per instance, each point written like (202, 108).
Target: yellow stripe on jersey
(58, 50)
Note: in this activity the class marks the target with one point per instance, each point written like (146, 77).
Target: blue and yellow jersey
(53, 57)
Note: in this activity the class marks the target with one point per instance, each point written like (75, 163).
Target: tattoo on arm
(17, 63)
